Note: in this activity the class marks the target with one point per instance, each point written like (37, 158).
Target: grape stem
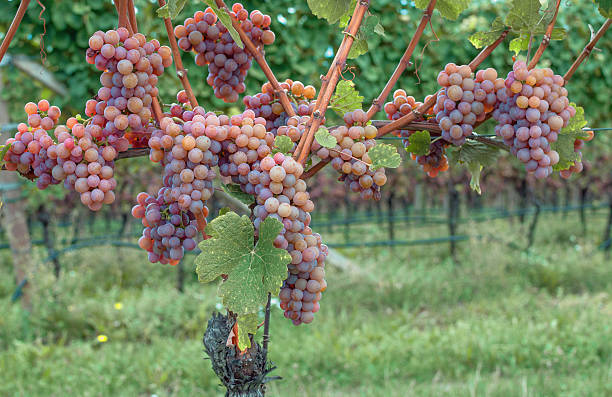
(587, 50)
(261, 61)
(329, 82)
(404, 61)
(181, 72)
(10, 33)
(545, 40)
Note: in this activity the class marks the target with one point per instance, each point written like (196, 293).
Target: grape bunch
(131, 66)
(433, 162)
(577, 166)
(281, 194)
(464, 100)
(350, 156)
(533, 109)
(266, 103)
(228, 64)
(77, 159)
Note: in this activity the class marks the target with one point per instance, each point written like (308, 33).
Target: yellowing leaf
(247, 324)
(384, 155)
(419, 143)
(483, 39)
(171, 9)
(565, 141)
(325, 139)
(346, 98)
(283, 144)
(331, 10)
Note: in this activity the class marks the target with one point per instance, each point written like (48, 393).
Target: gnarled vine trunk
(244, 375)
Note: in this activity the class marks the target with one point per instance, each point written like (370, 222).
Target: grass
(407, 321)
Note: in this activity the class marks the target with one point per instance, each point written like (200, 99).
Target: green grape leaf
(483, 39)
(367, 30)
(252, 271)
(419, 143)
(235, 191)
(247, 324)
(325, 139)
(527, 18)
(475, 155)
(605, 7)
(450, 9)
(359, 47)
(565, 141)
(331, 10)
(519, 44)
(171, 9)
(283, 144)
(226, 20)
(346, 98)
(384, 155)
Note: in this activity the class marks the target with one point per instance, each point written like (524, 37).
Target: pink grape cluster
(464, 100)
(266, 103)
(350, 155)
(228, 64)
(533, 109)
(168, 231)
(77, 159)
(433, 162)
(131, 66)
(189, 145)
(283, 196)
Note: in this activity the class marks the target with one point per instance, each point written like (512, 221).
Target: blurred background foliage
(303, 50)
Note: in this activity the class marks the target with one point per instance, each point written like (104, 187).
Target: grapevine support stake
(330, 81)
(261, 61)
(10, 33)
(404, 61)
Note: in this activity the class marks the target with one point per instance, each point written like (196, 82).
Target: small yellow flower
(102, 338)
(118, 306)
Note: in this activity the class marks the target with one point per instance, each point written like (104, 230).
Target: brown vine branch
(428, 104)
(329, 84)
(587, 50)
(261, 61)
(545, 40)
(404, 61)
(132, 15)
(181, 72)
(10, 33)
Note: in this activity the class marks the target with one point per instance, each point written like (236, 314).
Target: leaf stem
(404, 61)
(266, 334)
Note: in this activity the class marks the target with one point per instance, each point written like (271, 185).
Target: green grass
(406, 321)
